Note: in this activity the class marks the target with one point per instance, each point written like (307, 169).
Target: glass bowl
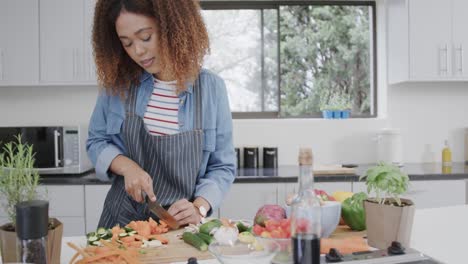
(260, 252)
(284, 254)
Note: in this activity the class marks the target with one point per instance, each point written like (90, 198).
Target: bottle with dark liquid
(306, 215)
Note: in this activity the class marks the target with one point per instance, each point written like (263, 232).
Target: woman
(161, 126)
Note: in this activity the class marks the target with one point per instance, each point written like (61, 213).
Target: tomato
(258, 229)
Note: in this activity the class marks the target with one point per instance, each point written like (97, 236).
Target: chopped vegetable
(194, 240)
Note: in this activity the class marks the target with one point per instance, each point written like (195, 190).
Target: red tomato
(258, 229)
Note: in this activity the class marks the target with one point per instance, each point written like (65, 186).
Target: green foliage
(18, 178)
(386, 179)
(324, 53)
(335, 102)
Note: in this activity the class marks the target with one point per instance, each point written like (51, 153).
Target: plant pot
(345, 114)
(336, 114)
(386, 223)
(327, 114)
(54, 243)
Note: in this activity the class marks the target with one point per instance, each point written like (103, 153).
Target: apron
(173, 162)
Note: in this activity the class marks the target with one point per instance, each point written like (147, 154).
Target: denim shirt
(217, 169)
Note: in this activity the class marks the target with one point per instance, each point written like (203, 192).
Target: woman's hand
(185, 212)
(137, 182)
(136, 179)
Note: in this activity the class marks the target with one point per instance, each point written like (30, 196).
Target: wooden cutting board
(332, 169)
(176, 250)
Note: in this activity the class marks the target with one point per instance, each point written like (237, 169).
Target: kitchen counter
(285, 174)
(434, 233)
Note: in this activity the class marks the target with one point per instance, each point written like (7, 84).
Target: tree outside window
(292, 60)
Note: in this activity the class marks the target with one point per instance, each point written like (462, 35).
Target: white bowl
(331, 213)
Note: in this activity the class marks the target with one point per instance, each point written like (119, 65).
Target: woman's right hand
(136, 179)
(137, 182)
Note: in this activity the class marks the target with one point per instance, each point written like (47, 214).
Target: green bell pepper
(352, 211)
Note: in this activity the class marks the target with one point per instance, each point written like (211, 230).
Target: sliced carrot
(133, 225)
(127, 239)
(161, 238)
(344, 245)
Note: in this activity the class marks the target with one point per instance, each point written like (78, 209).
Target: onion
(226, 235)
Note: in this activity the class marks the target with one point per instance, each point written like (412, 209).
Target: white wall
(426, 114)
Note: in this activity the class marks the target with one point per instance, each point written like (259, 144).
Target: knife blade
(162, 214)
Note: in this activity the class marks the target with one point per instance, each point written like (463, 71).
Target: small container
(250, 157)
(446, 155)
(32, 219)
(270, 157)
(237, 157)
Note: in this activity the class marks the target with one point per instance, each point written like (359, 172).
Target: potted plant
(18, 183)
(388, 217)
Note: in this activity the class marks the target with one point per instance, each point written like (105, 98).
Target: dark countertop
(416, 172)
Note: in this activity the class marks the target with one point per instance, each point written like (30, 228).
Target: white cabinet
(64, 48)
(95, 196)
(430, 194)
(90, 67)
(244, 199)
(426, 40)
(19, 42)
(460, 39)
(66, 203)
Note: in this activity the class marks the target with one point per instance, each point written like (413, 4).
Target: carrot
(161, 238)
(162, 223)
(127, 239)
(344, 245)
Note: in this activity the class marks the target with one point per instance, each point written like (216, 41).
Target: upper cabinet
(426, 40)
(19, 42)
(64, 45)
(460, 38)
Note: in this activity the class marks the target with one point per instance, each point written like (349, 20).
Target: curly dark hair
(182, 38)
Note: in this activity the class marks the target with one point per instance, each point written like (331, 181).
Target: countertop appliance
(59, 149)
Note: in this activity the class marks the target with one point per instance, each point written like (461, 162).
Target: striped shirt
(161, 117)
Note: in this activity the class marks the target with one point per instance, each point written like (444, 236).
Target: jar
(32, 219)
(270, 157)
(390, 146)
(250, 157)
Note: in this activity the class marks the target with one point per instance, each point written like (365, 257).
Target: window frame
(268, 4)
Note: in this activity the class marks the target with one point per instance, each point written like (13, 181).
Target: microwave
(58, 149)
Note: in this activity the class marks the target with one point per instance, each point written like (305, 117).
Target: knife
(162, 214)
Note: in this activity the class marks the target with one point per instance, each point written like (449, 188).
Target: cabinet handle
(443, 60)
(73, 63)
(1, 64)
(459, 52)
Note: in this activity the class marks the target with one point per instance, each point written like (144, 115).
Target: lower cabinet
(94, 203)
(66, 203)
(244, 199)
(430, 194)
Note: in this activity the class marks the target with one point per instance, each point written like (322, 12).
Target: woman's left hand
(185, 212)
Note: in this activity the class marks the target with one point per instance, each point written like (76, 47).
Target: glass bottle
(32, 219)
(306, 215)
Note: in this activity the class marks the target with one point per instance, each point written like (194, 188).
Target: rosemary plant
(18, 178)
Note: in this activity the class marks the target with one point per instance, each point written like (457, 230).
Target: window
(294, 58)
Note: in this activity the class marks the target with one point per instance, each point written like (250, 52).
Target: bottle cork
(305, 156)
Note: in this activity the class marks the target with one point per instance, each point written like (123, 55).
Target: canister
(250, 157)
(270, 157)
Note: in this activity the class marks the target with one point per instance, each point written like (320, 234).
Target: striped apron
(173, 162)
